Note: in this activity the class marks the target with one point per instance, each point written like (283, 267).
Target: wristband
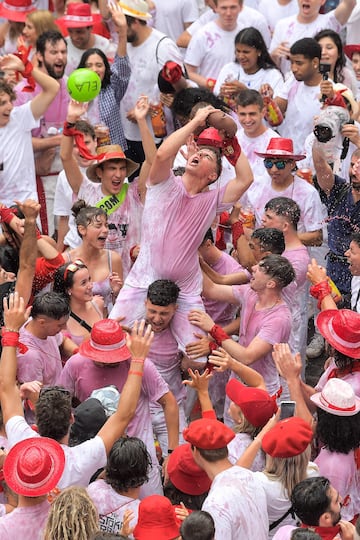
(231, 150)
(138, 360)
(6, 215)
(212, 346)
(132, 256)
(320, 291)
(210, 83)
(75, 351)
(140, 373)
(23, 53)
(70, 131)
(218, 334)
(10, 338)
(237, 230)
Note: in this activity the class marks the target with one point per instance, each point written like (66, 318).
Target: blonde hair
(72, 516)
(244, 426)
(43, 21)
(289, 471)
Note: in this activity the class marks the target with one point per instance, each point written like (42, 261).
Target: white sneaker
(315, 347)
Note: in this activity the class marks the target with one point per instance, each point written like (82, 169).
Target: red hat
(157, 519)
(337, 398)
(256, 404)
(349, 50)
(279, 147)
(185, 474)
(78, 15)
(341, 328)
(289, 438)
(34, 466)
(107, 343)
(16, 10)
(210, 137)
(208, 434)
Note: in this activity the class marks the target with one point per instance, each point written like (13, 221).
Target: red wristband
(231, 150)
(23, 53)
(210, 83)
(237, 230)
(140, 373)
(132, 257)
(218, 334)
(10, 338)
(320, 291)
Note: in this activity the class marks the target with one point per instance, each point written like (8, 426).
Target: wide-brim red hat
(107, 153)
(33, 467)
(280, 147)
(185, 474)
(78, 15)
(107, 343)
(341, 328)
(349, 50)
(16, 10)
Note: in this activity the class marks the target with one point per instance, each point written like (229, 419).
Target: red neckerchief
(326, 533)
(340, 373)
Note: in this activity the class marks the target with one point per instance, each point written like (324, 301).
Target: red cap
(185, 474)
(210, 137)
(208, 434)
(256, 404)
(289, 438)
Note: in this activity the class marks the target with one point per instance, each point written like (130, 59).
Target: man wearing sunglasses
(280, 180)
(342, 201)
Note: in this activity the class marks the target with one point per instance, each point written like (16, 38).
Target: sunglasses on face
(279, 163)
(74, 267)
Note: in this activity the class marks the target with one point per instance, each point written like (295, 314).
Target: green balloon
(83, 84)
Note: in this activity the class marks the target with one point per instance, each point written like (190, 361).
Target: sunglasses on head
(279, 163)
(74, 267)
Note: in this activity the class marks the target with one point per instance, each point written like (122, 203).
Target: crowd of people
(163, 246)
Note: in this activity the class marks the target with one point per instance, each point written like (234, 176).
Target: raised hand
(15, 313)
(139, 342)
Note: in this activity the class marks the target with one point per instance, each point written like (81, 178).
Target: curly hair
(72, 516)
(338, 433)
(163, 292)
(128, 464)
(53, 412)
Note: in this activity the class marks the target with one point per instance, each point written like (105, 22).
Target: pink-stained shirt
(111, 506)
(81, 376)
(81, 461)
(42, 361)
(238, 446)
(127, 219)
(237, 503)
(26, 522)
(173, 226)
(284, 533)
(344, 476)
(261, 191)
(272, 325)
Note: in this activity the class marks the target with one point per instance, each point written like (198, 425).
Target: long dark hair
(106, 80)
(252, 37)
(341, 60)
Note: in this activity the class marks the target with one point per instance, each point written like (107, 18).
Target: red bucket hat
(341, 328)
(256, 404)
(34, 466)
(157, 519)
(337, 398)
(289, 438)
(279, 147)
(208, 434)
(16, 10)
(78, 15)
(185, 474)
(107, 343)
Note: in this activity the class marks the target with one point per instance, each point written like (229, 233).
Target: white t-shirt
(171, 16)
(237, 503)
(17, 174)
(81, 461)
(74, 54)
(302, 105)
(353, 25)
(250, 145)
(290, 30)
(64, 199)
(234, 71)
(146, 60)
(273, 11)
